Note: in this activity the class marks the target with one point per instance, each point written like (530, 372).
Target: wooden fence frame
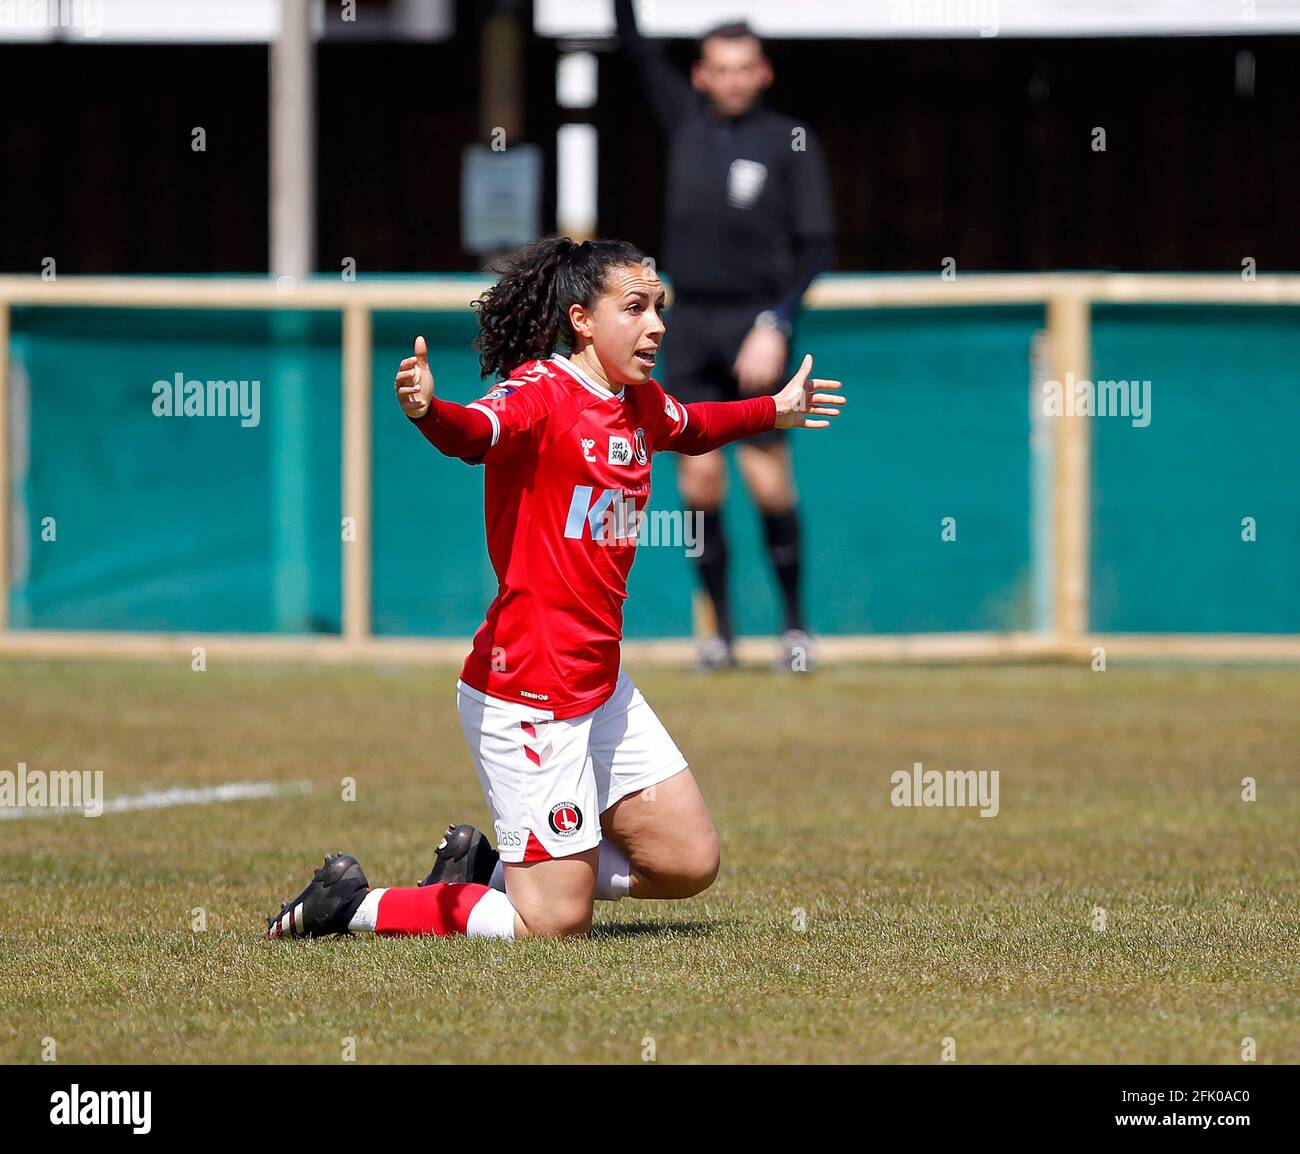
(1066, 297)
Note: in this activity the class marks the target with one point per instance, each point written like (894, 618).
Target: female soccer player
(588, 794)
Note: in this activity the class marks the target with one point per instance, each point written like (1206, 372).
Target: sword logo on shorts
(565, 819)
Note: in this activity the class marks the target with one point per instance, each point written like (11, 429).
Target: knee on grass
(690, 872)
(566, 918)
(555, 924)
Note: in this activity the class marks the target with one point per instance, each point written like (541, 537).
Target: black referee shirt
(748, 218)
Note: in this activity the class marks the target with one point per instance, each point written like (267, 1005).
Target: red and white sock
(474, 910)
(613, 874)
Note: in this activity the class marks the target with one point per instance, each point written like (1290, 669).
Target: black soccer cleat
(326, 905)
(463, 855)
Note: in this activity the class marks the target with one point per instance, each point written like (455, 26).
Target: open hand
(414, 382)
(803, 398)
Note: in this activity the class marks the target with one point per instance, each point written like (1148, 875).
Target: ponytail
(525, 315)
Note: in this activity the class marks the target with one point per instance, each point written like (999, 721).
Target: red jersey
(567, 481)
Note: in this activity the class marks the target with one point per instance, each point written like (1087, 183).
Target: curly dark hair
(525, 315)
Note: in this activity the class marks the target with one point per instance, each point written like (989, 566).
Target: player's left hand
(761, 359)
(805, 397)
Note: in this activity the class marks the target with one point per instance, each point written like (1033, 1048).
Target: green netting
(431, 569)
(199, 523)
(1223, 444)
(939, 428)
(159, 523)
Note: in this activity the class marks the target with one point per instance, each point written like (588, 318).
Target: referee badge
(746, 180)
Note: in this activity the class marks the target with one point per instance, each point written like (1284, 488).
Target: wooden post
(292, 141)
(356, 471)
(501, 71)
(1069, 323)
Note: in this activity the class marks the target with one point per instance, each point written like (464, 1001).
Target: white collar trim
(585, 381)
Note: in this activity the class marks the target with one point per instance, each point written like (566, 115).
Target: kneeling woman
(589, 795)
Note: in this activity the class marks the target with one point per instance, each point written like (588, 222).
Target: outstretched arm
(456, 430)
(711, 424)
(670, 94)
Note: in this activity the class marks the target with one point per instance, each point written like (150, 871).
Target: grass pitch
(1119, 790)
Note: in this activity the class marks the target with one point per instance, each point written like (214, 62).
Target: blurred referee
(748, 225)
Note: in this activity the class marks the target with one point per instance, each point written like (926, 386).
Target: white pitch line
(165, 799)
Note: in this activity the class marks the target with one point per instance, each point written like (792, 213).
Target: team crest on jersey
(565, 819)
(620, 451)
(642, 456)
(501, 392)
(671, 409)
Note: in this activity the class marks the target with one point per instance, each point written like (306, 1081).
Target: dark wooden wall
(977, 150)
(982, 151)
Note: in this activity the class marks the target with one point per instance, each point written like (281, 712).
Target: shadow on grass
(657, 929)
(598, 932)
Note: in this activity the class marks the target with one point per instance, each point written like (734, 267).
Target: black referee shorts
(699, 349)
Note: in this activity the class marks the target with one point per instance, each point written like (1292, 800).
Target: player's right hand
(414, 382)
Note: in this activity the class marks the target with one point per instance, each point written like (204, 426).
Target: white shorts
(547, 782)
